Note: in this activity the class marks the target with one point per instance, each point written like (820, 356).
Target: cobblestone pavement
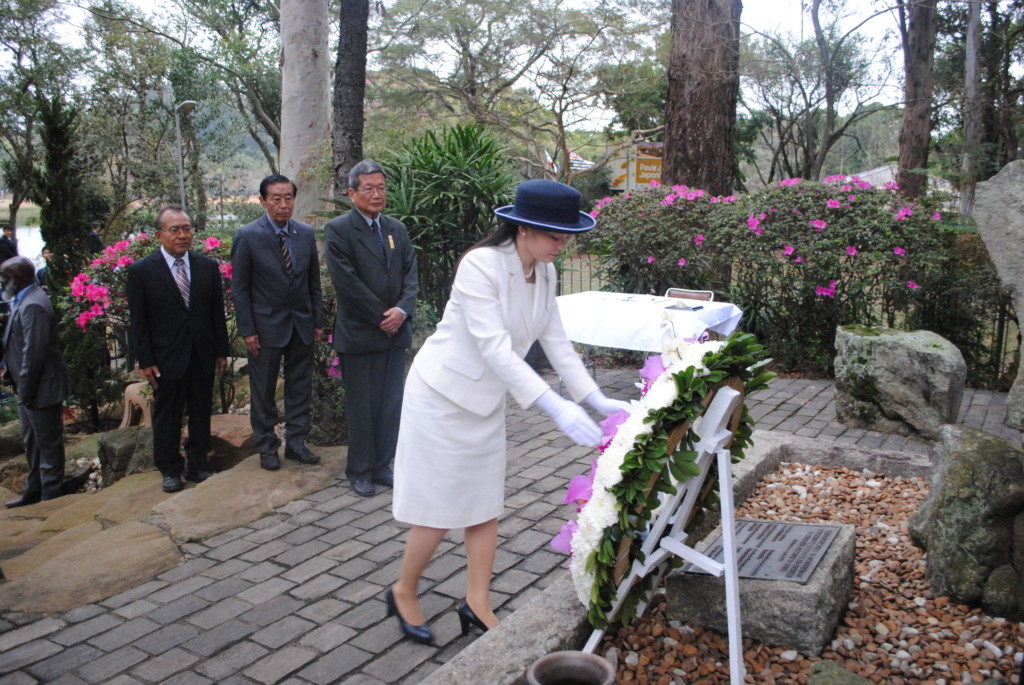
(297, 595)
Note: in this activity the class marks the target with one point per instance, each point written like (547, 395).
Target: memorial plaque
(775, 550)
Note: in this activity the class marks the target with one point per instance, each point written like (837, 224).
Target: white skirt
(449, 463)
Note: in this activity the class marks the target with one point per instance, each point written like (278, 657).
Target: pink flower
(714, 200)
(142, 237)
(211, 243)
(788, 250)
(899, 251)
(610, 426)
(697, 193)
(936, 216)
(912, 285)
(123, 260)
(835, 177)
(334, 372)
(903, 212)
(330, 338)
(754, 224)
(851, 198)
(862, 184)
(668, 199)
(78, 285)
(563, 541)
(680, 189)
(822, 291)
(97, 293)
(581, 487)
(602, 202)
(95, 263)
(698, 239)
(851, 250)
(653, 368)
(790, 182)
(891, 185)
(335, 361)
(729, 198)
(650, 259)
(798, 260)
(846, 188)
(595, 213)
(681, 261)
(654, 184)
(225, 269)
(817, 224)
(833, 204)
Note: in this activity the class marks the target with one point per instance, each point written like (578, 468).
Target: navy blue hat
(548, 205)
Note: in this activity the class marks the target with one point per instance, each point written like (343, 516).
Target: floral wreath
(617, 499)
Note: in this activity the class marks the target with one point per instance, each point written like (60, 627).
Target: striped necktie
(285, 253)
(380, 239)
(181, 278)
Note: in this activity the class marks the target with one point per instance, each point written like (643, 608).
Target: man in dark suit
(280, 312)
(40, 379)
(7, 247)
(373, 268)
(93, 239)
(178, 336)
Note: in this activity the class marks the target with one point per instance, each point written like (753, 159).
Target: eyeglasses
(281, 199)
(373, 190)
(178, 230)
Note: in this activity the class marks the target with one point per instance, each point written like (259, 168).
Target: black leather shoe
(423, 633)
(364, 488)
(386, 479)
(301, 455)
(467, 618)
(23, 501)
(172, 483)
(197, 476)
(270, 461)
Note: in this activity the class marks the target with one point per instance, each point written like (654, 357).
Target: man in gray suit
(275, 284)
(373, 268)
(36, 370)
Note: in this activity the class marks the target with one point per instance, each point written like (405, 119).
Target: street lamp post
(183, 108)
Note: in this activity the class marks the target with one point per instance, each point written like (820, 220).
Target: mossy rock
(1004, 594)
(10, 439)
(828, 672)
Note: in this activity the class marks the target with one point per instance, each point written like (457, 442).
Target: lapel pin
(391, 241)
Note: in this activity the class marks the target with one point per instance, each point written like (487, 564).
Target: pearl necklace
(533, 268)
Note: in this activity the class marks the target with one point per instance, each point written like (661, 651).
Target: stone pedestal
(999, 213)
(778, 612)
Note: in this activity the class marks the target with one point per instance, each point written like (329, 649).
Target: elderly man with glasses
(178, 335)
(373, 269)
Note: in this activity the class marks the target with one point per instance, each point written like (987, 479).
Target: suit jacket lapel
(514, 268)
(366, 235)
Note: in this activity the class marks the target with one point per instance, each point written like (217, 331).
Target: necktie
(285, 253)
(181, 278)
(380, 239)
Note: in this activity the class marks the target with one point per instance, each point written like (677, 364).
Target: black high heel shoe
(422, 634)
(467, 618)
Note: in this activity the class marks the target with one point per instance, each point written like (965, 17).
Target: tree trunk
(918, 60)
(349, 88)
(703, 85)
(972, 110)
(305, 101)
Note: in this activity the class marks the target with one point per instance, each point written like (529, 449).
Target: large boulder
(999, 214)
(967, 522)
(232, 440)
(10, 439)
(80, 456)
(142, 456)
(116, 450)
(897, 381)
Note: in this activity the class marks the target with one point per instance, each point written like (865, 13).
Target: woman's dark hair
(504, 233)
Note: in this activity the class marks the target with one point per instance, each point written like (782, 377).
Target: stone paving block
(225, 537)
(324, 610)
(384, 552)
(335, 665)
(210, 642)
(63, 661)
(226, 587)
(307, 516)
(379, 638)
(542, 561)
(231, 549)
(189, 678)
(339, 518)
(29, 632)
(294, 507)
(372, 520)
(261, 572)
(309, 569)
(227, 569)
(297, 555)
(180, 589)
(265, 522)
(336, 504)
(86, 629)
(279, 664)
(513, 581)
(102, 669)
(399, 661)
(167, 638)
(283, 631)
(323, 584)
(455, 586)
(380, 533)
(327, 637)
(346, 549)
(266, 591)
(139, 607)
(270, 611)
(235, 658)
(354, 568)
(183, 606)
(443, 566)
(513, 525)
(272, 532)
(124, 634)
(162, 667)
(133, 594)
(79, 614)
(526, 542)
(193, 549)
(303, 534)
(387, 574)
(503, 559)
(365, 505)
(335, 491)
(224, 610)
(19, 678)
(363, 615)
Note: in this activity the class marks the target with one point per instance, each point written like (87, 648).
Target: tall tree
(349, 90)
(972, 110)
(703, 86)
(305, 99)
(918, 25)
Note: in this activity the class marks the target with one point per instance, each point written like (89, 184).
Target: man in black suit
(93, 239)
(40, 379)
(373, 268)
(279, 307)
(178, 335)
(7, 247)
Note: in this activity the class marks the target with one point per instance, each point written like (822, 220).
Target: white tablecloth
(641, 322)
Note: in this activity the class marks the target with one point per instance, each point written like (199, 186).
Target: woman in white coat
(450, 460)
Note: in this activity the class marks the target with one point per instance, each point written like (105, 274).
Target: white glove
(570, 418)
(605, 405)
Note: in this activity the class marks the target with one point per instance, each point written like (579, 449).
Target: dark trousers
(194, 390)
(42, 431)
(298, 393)
(373, 409)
